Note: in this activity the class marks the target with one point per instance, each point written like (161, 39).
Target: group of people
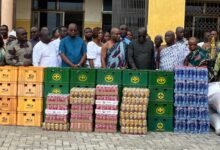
(116, 49)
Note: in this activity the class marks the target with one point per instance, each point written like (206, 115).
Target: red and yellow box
(29, 119)
(8, 103)
(26, 89)
(8, 88)
(30, 104)
(8, 118)
(31, 74)
(8, 74)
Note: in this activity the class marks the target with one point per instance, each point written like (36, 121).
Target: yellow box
(29, 119)
(8, 118)
(8, 103)
(31, 74)
(8, 88)
(30, 89)
(29, 104)
(8, 74)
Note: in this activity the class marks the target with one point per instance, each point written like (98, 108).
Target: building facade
(197, 16)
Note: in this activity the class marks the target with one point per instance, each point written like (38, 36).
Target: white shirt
(56, 44)
(94, 52)
(44, 55)
(200, 44)
(172, 56)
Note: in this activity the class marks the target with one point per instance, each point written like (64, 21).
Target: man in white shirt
(56, 43)
(44, 53)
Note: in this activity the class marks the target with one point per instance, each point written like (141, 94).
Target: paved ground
(36, 138)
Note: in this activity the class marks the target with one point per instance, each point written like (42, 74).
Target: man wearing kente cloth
(197, 55)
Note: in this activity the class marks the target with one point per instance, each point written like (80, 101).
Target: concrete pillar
(7, 13)
(93, 13)
(164, 15)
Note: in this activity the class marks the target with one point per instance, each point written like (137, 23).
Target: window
(107, 5)
(130, 12)
(72, 5)
(107, 15)
(54, 13)
(202, 16)
(41, 4)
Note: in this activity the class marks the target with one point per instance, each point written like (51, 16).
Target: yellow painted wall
(93, 13)
(164, 15)
(23, 14)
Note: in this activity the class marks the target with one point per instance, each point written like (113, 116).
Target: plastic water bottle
(191, 86)
(203, 113)
(180, 100)
(191, 73)
(202, 87)
(203, 126)
(202, 100)
(179, 86)
(192, 113)
(177, 126)
(202, 74)
(179, 73)
(191, 100)
(191, 126)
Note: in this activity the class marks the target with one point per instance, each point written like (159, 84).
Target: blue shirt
(73, 49)
(126, 40)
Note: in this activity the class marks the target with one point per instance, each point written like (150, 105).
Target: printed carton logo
(160, 95)
(160, 125)
(135, 79)
(56, 91)
(82, 77)
(109, 78)
(56, 76)
(4, 119)
(30, 76)
(29, 106)
(160, 110)
(161, 80)
(29, 120)
(4, 90)
(4, 105)
(5, 76)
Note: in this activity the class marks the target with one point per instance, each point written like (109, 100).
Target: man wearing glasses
(19, 53)
(141, 52)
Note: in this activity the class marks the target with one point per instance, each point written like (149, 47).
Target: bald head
(169, 37)
(142, 33)
(44, 29)
(72, 30)
(142, 30)
(193, 43)
(45, 36)
(115, 34)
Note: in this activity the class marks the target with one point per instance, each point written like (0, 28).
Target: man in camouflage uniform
(19, 53)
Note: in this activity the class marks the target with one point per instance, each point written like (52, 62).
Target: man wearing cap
(11, 37)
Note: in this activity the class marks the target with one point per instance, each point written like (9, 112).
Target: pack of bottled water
(191, 100)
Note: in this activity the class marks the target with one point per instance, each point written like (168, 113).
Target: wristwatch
(78, 65)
